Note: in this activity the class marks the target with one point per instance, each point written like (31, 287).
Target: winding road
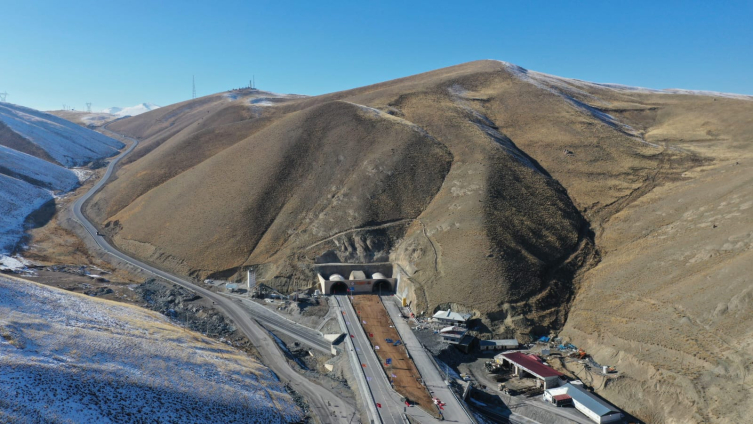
(328, 407)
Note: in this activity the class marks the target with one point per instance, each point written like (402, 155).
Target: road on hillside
(328, 407)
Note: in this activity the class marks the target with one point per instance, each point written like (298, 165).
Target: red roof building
(533, 365)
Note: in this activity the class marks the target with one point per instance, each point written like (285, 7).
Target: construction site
(393, 355)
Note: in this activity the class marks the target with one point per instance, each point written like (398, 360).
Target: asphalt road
(454, 411)
(381, 390)
(327, 407)
(283, 325)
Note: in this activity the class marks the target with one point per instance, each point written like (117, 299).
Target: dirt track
(378, 325)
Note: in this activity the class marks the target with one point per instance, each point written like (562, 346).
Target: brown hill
(497, 190)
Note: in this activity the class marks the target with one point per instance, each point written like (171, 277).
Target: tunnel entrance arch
(338, 288)
(381, 286)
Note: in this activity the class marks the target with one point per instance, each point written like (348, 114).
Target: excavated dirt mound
(401, 372)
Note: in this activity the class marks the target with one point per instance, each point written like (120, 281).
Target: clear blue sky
(121, 53)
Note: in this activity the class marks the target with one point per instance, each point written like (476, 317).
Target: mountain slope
(36, 150)
(72, 358)
(496, 190)
(66, 143)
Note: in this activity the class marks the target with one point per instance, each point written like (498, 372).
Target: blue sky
(127, 52)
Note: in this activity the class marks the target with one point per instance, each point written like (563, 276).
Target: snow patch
(82, 174)
(37, 171)
(70, 358)
(122, 112)
(13, 263)
(18, 199)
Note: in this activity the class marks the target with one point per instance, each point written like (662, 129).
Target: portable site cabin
(506, 344)
(452, 334)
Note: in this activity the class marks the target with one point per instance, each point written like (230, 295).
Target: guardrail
(461, 402)
(358, 372)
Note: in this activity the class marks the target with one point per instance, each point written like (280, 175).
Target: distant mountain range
(130, 111)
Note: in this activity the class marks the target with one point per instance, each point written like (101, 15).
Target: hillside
(536, 202)
(72, 358)
(37, 152)
(51, 138)
(85, 119)
(122, 112)
(97, 119)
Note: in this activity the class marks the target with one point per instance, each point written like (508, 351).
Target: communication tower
(194, 87)
(89, 107)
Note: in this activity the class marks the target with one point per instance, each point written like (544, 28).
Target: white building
(592, 406)
(451, 318)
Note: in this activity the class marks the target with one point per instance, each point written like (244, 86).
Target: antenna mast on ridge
(3, 95)
(194, 87)
(89, 107)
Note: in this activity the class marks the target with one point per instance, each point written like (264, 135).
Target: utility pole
(3, 95)
(194, 87)
(89, 107)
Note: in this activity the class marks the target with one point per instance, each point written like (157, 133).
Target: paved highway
(380, 388)
(283, 325)
(327, 407)
(454, 410)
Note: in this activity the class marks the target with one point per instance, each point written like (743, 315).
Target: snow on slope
(131, 111)
(69, 144)
(570, 84)
(112, 110)
(71, 358)
(26, 180)
(36, 171)
(18, 199)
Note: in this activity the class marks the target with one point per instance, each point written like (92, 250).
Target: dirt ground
(407, 380)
